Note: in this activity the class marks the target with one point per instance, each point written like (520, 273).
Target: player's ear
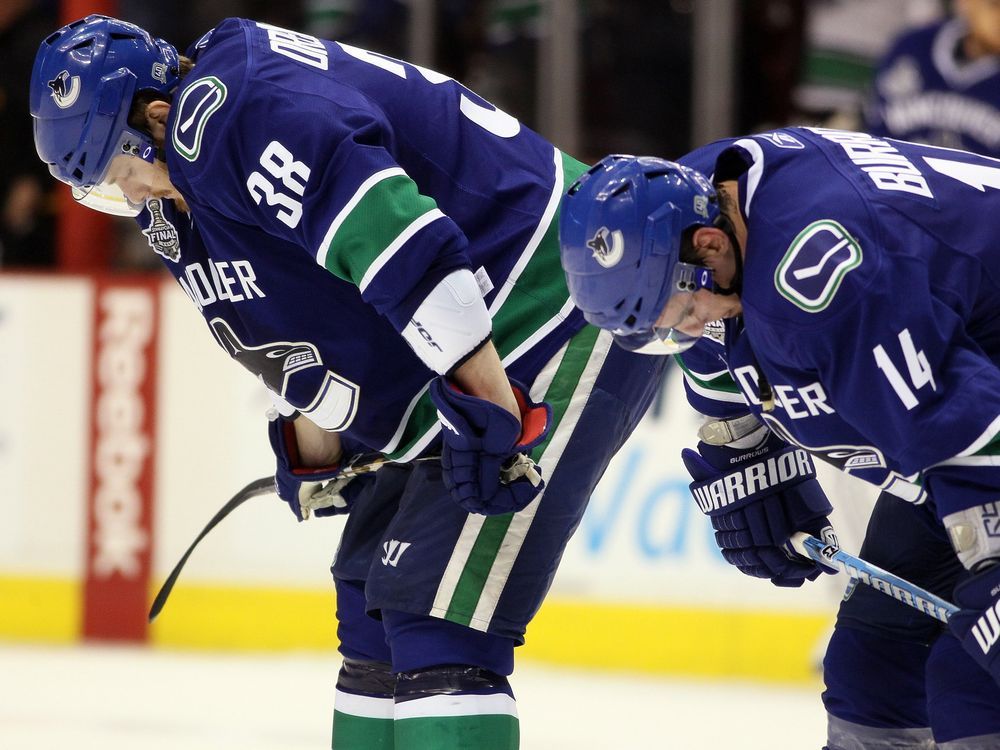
(156, 119)
(706, 240)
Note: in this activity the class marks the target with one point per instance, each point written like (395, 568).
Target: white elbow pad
(450, 323)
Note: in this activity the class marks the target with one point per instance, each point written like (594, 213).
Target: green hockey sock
(457, 722)
(362, 723)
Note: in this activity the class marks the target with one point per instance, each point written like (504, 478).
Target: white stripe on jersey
(367, 185)
(988, 436)
(550, 325)
(536, 238)
(386, 255)
(714, 395)
(755, 171)
(521, 522)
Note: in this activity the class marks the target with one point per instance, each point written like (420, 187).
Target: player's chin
(731, 308)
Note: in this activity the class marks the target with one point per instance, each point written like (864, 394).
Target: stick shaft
(881, 580)
(363, 463)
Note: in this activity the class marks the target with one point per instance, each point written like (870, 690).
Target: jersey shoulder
(809, 256)
(260, 96)
(202, 110)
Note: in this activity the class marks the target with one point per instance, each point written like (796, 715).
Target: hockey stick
(833, 557)
(363, 463)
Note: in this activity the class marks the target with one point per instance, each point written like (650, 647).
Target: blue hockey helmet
(620, 231)
(82, 85)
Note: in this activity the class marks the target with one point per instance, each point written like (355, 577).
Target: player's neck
(729, 202)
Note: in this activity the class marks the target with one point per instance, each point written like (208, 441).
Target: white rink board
(642, 540)
(45, 333)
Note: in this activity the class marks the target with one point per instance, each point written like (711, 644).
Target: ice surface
(126, 698)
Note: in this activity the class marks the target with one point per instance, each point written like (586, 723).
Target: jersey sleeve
(317, 171)
(899, 365)
(710, 389)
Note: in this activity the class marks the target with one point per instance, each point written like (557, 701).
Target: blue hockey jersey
(871, 307)
(331, 189)
(925, 90)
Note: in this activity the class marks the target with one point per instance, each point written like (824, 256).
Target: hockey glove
(977, 623)
(484, 450)
(756, 499)
(306, 490)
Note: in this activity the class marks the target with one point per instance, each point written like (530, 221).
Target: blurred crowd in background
(798, 62)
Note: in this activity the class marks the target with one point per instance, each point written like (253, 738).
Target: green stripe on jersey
(484, 552)
(370, 224)
(992, 448)
(723, 383)
(539, 293)
(529, 304)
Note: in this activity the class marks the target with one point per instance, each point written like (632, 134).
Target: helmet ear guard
(645, 205)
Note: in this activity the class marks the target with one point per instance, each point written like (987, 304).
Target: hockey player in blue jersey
(378, 246)
(837, 293)
(941, 84)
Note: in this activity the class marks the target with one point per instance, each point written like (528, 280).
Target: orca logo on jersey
(815, 264)
(334, 404)
(273, 363)
(198, 102)
(607, 253)
(161, 234)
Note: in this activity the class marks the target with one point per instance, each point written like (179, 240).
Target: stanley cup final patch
(815, 264)
(161, 234)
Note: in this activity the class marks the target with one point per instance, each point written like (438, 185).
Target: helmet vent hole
(84, 44)
(623, 188)
(120, 35)
(630, 321)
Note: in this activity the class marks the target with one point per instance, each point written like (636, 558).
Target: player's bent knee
(374, 678)
(480, 713)
(419, 642)
(451, 679)
(361, 637)
(962, 699)
(857, 667)
(364, 706)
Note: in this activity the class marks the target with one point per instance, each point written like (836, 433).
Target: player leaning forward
(856, 285)
(372, 240)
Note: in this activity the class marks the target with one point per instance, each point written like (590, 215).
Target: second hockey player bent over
(833, 293)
